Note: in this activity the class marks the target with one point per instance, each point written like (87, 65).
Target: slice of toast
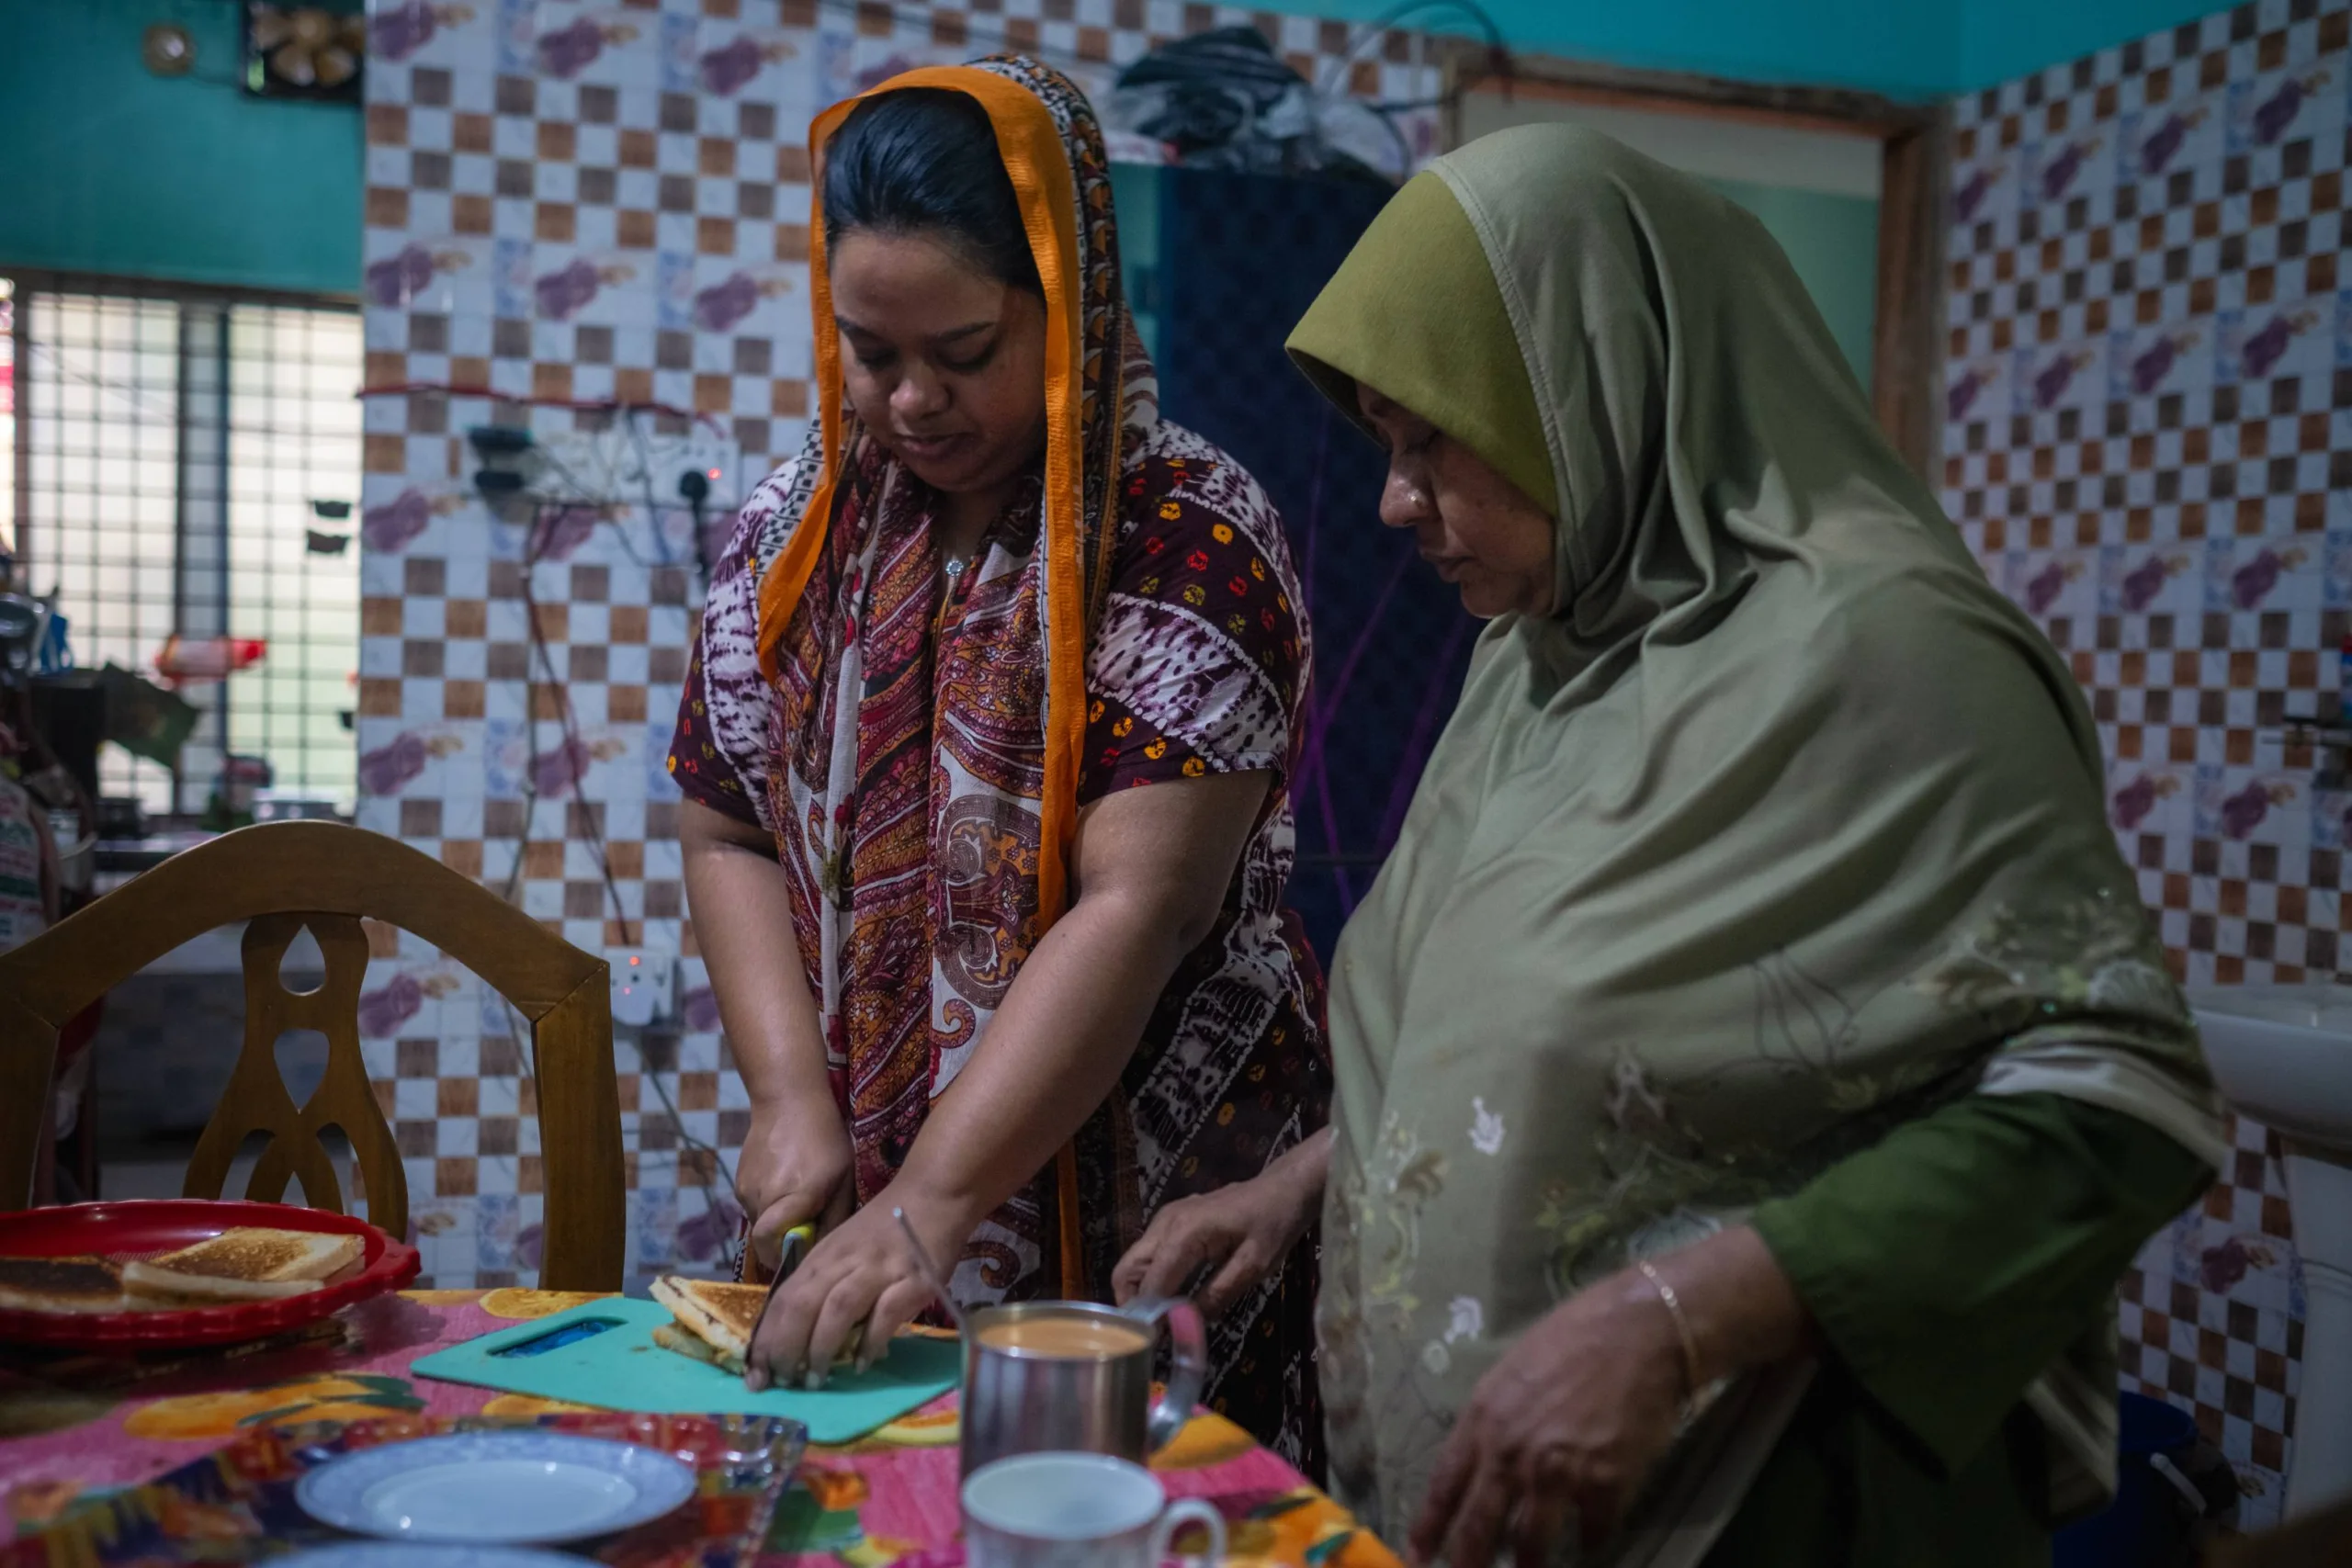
(145, 1281)
(249, 1263)
(60, 1285)
(251, 1252)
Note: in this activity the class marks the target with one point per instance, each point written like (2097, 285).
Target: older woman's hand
(1240, 1233)
(1559, 1432)
(1562, 1430)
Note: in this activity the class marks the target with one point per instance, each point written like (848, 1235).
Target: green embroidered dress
(1768, 880)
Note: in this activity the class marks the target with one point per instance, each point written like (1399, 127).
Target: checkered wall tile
(2212, 1319)
(571, 204)
(2148, 441)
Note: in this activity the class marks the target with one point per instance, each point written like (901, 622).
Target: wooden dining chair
(281, 877)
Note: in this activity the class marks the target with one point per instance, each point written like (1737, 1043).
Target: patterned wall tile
(2148, 441)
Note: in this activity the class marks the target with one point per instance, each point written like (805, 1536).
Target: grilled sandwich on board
(716, 1320)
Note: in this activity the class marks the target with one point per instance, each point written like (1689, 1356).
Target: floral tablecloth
(68, 1430)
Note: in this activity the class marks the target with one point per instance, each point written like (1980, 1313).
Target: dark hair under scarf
(924, 159)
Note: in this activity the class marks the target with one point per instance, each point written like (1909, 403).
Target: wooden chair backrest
(280, 878)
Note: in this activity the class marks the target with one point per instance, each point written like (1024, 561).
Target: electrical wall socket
(623, 463)
(645, 985)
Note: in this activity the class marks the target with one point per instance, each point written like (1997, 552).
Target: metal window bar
(170, 445)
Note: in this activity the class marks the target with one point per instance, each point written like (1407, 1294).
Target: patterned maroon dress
(920, 752)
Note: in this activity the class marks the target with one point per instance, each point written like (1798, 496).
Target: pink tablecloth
(889, 1497)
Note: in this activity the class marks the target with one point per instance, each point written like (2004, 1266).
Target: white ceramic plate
(415, 1554)
(494, 1488)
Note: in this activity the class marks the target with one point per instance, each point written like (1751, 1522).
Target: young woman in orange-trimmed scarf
(969, 964)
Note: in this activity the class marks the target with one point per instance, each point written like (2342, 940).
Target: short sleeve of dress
(1200, 661)
(703, 772)
(720, 752)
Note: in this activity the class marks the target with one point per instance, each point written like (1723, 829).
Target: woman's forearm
(1305, 1166)
(1150, 868)
(1052, 1053)
(742, 914)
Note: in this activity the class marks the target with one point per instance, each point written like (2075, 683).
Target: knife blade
(793, 1246)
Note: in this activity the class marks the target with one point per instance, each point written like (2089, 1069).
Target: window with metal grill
(187, 463)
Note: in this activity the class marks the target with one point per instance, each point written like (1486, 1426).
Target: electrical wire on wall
(628, 412)
(540, 670)
(1498, 55)
(1499, 65)
(534, 400)
(1332, 89)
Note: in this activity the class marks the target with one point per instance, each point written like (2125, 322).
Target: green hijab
(1783, 829)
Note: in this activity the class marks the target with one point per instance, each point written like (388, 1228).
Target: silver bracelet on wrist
(1681, 1324)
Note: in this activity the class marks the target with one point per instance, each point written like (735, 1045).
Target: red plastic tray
(146, 1226)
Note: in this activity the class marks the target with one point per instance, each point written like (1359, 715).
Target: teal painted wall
(1907, 49)
(1135, 196)
(105, 168)
(1832, 241)
(2001, 39)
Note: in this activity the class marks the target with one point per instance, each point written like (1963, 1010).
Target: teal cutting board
(620, 1368)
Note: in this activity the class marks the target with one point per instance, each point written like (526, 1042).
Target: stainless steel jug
(1019, 1400)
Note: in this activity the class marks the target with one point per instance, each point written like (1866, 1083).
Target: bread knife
(793, 1247)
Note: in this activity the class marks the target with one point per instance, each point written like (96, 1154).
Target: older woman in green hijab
(1755, 1067)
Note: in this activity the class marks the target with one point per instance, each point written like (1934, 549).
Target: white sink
(2283, 1055)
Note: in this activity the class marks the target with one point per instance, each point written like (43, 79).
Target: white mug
(1073, 1510)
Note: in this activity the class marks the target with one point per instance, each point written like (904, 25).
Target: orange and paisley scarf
(929, 740)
